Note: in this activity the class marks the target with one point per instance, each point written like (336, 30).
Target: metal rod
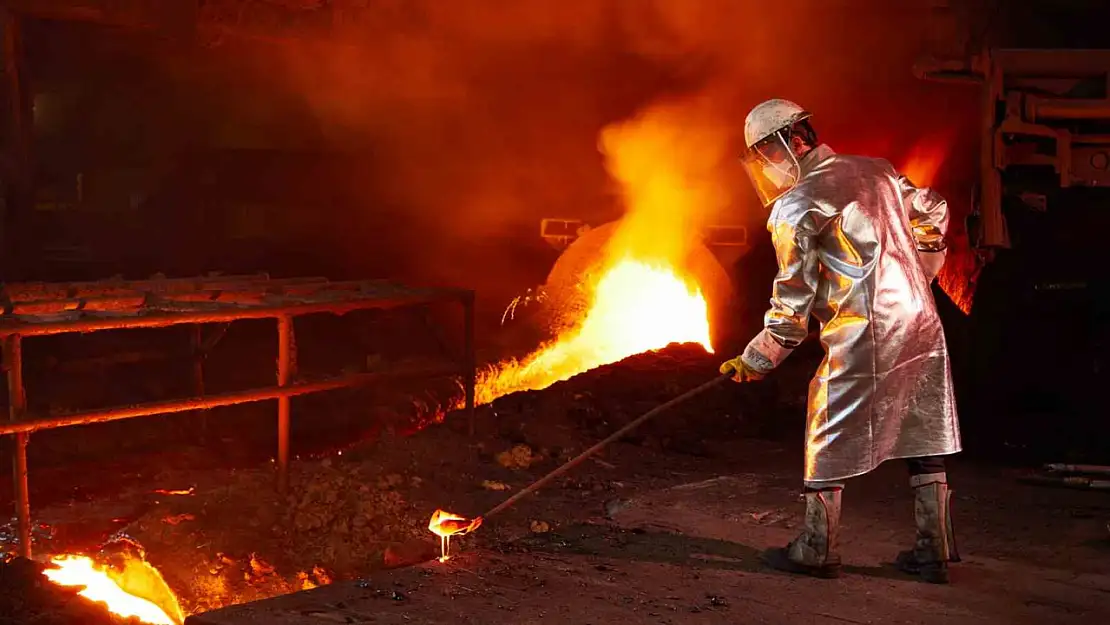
(543, 481)
(1054, 108)
(1067, 481)
(17, 407)
(1095, 469)
(470, 363)
(284, 373)
(212, 401)
(161, 319)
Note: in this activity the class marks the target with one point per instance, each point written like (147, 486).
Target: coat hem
(849, 476)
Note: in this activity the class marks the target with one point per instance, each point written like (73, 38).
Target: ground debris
(519, 457)
(178, 519)
(355, 513)
(336, 522)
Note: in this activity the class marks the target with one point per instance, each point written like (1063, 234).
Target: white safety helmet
(769, 160)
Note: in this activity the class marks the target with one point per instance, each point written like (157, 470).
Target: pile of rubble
(242, 541)
(344, 515)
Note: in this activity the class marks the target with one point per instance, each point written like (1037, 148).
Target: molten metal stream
(445, 525)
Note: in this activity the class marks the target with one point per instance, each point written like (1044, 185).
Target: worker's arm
(786, 324)
(928, 216)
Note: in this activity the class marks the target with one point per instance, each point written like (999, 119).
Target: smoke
(672, 161)
(485, 116)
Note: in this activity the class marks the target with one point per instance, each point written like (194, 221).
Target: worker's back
(886, 364)
(872, 286)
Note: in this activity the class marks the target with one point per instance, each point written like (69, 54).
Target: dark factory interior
(500, 265)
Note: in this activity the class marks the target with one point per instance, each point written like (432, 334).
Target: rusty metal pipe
(17, 406)
(22, 492)
(162, 319)
(212, 401)
(1095, 469)
(284, 373)
(615, 436)
(1060, 109)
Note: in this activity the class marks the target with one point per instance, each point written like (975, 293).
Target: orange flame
(104, 587)
(641, 295)
(445, 525)
(637, 307)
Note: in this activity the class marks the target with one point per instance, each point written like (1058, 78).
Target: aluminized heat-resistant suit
(850, 238)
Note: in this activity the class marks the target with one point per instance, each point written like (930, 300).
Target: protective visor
(772, 167)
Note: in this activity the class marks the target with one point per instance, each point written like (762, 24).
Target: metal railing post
(17, 407)
(284, 375)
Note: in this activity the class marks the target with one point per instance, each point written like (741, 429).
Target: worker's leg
(926, 465)
(813, 552)
(935, 545)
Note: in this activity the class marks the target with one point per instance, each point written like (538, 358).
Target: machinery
(1038, 226)
(1042, 110)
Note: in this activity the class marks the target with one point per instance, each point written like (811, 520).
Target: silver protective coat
(849, 239)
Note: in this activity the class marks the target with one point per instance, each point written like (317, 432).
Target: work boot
(935, 546)
(813, 552)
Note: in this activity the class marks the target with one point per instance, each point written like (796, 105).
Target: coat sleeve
(795, 286)
(786, 324)
(928, 215)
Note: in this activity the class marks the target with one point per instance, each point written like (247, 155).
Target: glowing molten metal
(100, 587)
(445, 525)
(636, 307)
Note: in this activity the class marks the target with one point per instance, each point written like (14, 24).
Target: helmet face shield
(772, 167)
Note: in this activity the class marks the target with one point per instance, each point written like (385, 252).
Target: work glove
(740, 370)
(760, 357)
(932, 262)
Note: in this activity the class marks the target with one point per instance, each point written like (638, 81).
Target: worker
(858, 247)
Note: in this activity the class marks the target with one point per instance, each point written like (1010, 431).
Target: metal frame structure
(1018, 112)
(40, 309)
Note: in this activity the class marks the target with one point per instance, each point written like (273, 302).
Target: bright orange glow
(957, 278)
(189, 491)
(637, 307)
(103, 587)
(445, 525)
(924, 161)
(641, 295)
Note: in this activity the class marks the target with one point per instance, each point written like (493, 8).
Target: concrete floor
(686, 550)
